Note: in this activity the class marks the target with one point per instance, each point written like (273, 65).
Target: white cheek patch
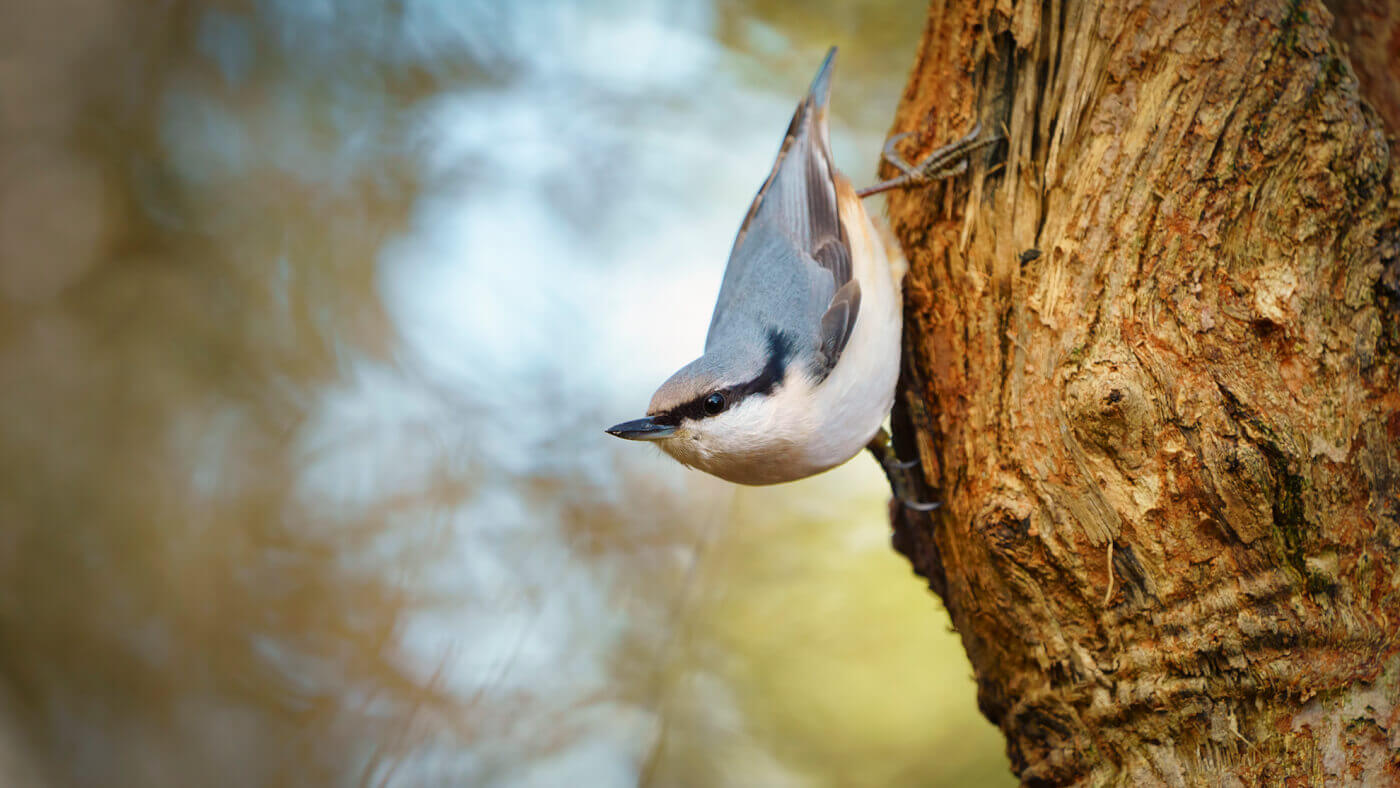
(761, 440)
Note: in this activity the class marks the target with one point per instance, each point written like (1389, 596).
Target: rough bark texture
(1167, 443)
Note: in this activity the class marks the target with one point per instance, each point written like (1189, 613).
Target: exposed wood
(1153, 371)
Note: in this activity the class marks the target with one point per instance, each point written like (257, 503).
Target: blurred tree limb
(1151, 368)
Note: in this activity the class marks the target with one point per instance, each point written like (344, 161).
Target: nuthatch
(803, 351)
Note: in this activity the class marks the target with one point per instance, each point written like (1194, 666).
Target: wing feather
(798, 204)
(837, 323)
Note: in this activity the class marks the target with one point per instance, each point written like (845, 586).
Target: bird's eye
(714, 403)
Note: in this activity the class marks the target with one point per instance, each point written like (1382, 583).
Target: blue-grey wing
(790, 268)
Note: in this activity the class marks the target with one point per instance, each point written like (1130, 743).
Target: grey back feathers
(790, 267)
(788, 296)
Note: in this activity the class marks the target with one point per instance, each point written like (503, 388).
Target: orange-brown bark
(1153, 370)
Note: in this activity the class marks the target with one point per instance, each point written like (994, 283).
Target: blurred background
(312, 314)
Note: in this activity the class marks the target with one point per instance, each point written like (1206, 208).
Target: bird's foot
(944, 162)
(902, 483)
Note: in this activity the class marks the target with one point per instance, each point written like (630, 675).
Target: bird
(802, 355)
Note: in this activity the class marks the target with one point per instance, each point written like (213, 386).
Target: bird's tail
(813, 108)
(799, 194)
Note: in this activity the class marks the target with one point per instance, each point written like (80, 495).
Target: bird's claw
(921, 506)
(945, 162)
(902, 483)
(892, 156)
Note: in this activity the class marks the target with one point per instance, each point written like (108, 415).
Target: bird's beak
(642, 430)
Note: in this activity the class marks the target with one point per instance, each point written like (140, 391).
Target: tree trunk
(1152, 355)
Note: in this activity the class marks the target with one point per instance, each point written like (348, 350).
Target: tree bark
(1151, 368)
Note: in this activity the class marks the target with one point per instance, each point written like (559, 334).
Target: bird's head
(737, 415)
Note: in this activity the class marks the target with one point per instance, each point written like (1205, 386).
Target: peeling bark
(1152, 368)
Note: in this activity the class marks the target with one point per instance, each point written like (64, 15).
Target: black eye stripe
(779, 356)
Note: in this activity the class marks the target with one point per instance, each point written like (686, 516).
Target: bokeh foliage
(194, 202)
